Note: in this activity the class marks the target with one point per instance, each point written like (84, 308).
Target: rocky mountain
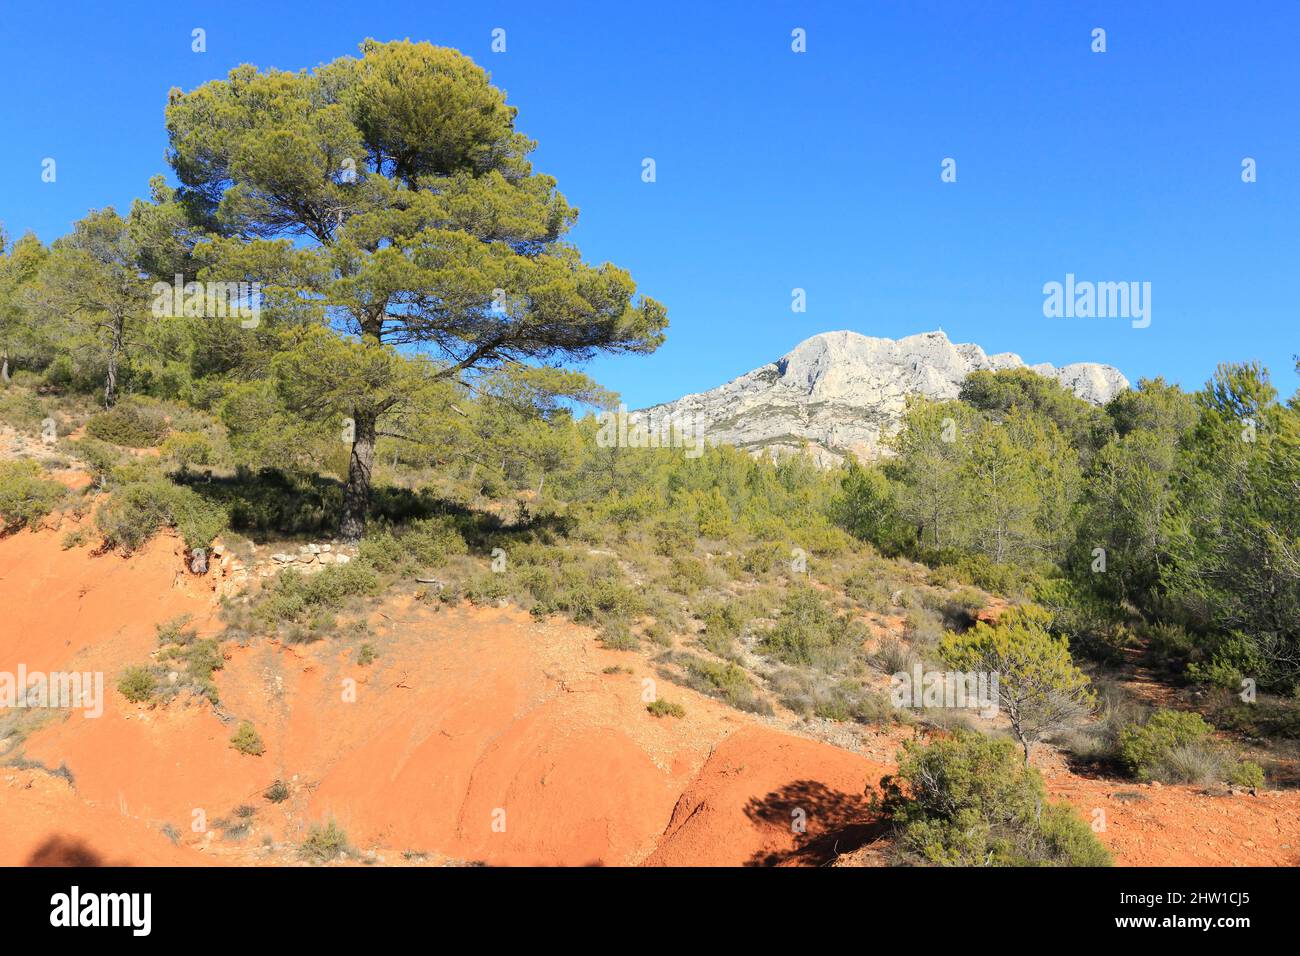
(842, 391)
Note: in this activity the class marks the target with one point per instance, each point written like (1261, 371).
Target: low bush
(1174, 746)
(137, 510)
(662, 708)
(295, 597)
(132, 423)
(1266, 718)
(431, 541)
(893, 656)
(1169, 648)
(1158, 748)
(723, 623)
(188, 448)
(1094, 628)
(324, 843)
(25, 497)
(982, 572)
(247, 741)
(1247, 773)
(810, 633)
(137, 684)
(687, 574)
(969, 800)
(726, 681)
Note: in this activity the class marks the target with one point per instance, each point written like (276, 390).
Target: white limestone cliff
(842, 391)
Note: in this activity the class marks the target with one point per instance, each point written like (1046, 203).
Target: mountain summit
(842, 391)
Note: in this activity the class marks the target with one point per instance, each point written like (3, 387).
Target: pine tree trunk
(356, 496)
(4, 369)
(114, 354)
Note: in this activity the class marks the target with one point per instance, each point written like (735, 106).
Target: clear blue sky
(779, 170)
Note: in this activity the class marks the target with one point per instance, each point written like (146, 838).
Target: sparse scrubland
(1157, 535)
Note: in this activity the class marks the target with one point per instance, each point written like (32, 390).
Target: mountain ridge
(843, 391)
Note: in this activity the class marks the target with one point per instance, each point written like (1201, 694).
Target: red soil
(470, 717)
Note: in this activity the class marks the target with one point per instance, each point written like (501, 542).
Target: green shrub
(196, 519)
(726, 681)
(1247, 773)
(673, 538)
(100, 458)
(367, 655)
(131, 423)
(488, 588)
(136, 511)
(1174, 747)
(432, 540)
(764, 557)
(662, 708)
(134, 514)
(1264, 718)
(295, 597)
(1168, 647)
(723, 623)
(247, 741)
(324, 843)
(22, 409)
(969, 800)
(1160, 747)
(982, 572)
(868, 588)
(382, 552)
(809, 632)
(1228, 660)
(617, 636)
(1064, 839)
(688, 574)
(1094, 627)
(188, 448)
(25, 497)
(137, 684)
(847, 700)
(968, 599)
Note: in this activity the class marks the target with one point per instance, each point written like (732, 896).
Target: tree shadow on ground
(835, 822)
(271, 504)
(59, 850)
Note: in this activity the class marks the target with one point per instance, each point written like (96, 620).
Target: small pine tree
(1039, 687)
